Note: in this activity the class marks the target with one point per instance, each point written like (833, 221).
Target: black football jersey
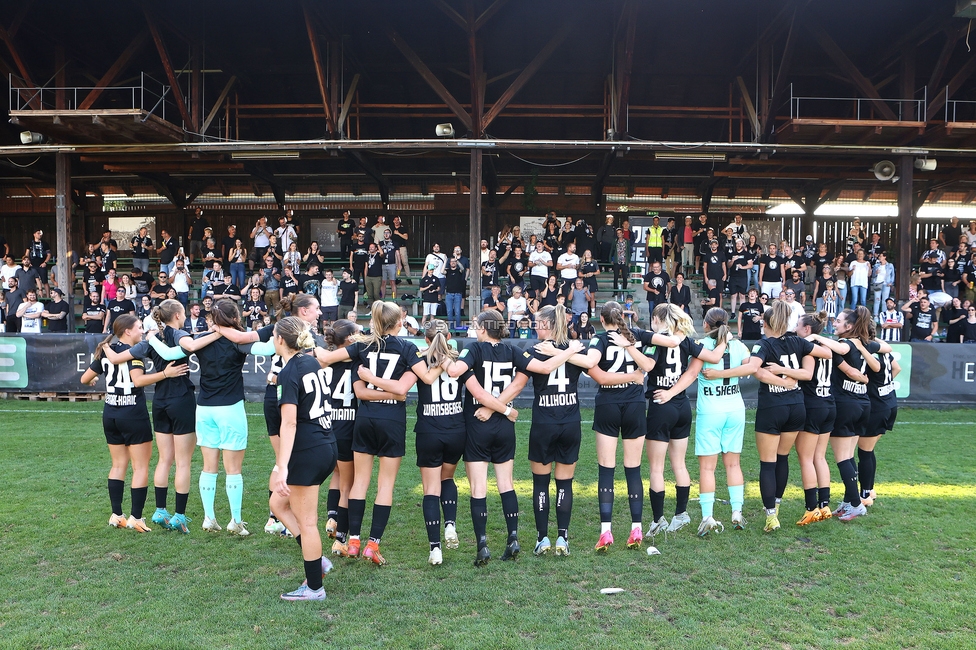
(302, 382)
(845, 388)
(440, 405)
(494, 366)
(881, 384)
(390, 361)
(787, 351)
(556, 397)
(123, 399)
(614, 358)
(669, 365)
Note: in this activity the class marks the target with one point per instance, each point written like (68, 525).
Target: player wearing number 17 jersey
(619, 412)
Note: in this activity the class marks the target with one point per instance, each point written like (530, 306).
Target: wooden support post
(624, 62)
(906, 224)
(217, 105)
(474, 235)
(62, 201)
(60, 102)
(175, 90)
(196, 86)
(907, 86)
(313, 41)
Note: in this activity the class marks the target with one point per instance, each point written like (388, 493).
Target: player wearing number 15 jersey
(306, 452)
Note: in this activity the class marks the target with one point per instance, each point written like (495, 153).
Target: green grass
(901, 577)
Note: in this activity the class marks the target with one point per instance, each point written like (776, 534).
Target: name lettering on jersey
(854, 387)
(720, 390)
(782, 389)
(884, 391)
(450, 408)
(344, 415)
(120, 400)
(562, 399)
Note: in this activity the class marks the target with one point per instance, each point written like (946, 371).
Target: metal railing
(150, 95)
(959, 110)
(859, 108)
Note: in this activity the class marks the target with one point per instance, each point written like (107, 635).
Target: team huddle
(335, 402)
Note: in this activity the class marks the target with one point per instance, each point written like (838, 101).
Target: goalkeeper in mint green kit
(720, 422)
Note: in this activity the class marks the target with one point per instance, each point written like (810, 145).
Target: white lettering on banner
(80, 364)
(259, 363)
(194, 364)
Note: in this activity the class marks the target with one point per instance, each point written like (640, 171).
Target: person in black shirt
(227, 244)
(141, 244)
(254, 310)
(92, 279)
(739, 264)
(884, 412)
(771, 273)
(715, 267)
(680, 294)
(125, 419)
(346, 228)
(39, 253)
(656, 285)
(167, 253)
(348, 292)
(358, 255)
(751, 312)
(950, 235)
(924, 323)
(117, 307)
(374, 274)
(517, 266)
(364, 230)
(401, 235)
(56, 312)
(197, 235)
(93, 314)
(143, 282)
(454, 293)
(430, 288)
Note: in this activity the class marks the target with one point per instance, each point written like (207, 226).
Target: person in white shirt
(286, 234)
(891, 321)
(796, 309)
(378, 229)
(567, 265)
(484, 250)
(539, 262)
(181, 281)
(8, 270)
(29, 314)
(260, 234)
(410, 326)
(439, 260)
(517, 308)
(330, 297)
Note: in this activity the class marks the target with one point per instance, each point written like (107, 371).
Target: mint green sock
(208, 488)
(234, 485)
(737, 496)
(707, 502)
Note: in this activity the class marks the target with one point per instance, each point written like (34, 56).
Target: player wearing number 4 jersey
(491, 369)
(619, 411)
(125, 419)
(555, 433)
(779, 362)
(721, 418)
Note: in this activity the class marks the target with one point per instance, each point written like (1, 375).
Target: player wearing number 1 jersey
(619, 411)
(500, 371)
(669, 413)
(884, 410)
(306, 453)
(555, 433)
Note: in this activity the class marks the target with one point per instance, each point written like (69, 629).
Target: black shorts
(559, 443)
(668, 421)
(330, 313)
(777, 419)
(820, 419)
(312, 466)
(490, 442)
(738, 285)
(628, 420)
(272, 414)
(881, 421)
(440, 448)
(41, 270)
(177, 416)
(852, 419)
(127, 431)
(387, 438)
(342, 430)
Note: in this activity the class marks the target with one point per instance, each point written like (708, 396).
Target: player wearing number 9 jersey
(779, 362)
(306, 452)
(884, 410)
(125, 419)
(555, 433)
(620, 412)
(669, 413)
(494, 373)
(381, 422)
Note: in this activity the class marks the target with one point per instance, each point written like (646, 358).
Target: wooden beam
(218, 104)
(487, 14)
(955, 83)
(430, 78)
(60, 101)
(474, 232)
(347, 103)
(313, 42)
(750, 107)
(374, 172)
(19, 19)
(938, 70)
(113, 71)
(768, 123)
(625, 62)
(476, 73)
(451, 13)
(969, 197)
(5, 36)
(840, 59)
(601, 179)
(167, 67)
(529, 71)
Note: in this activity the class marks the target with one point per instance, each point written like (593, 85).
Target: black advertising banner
(932, 373)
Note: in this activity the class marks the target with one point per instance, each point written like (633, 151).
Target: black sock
(767, 484)
(682, 498)
(867, 468)
(848, 472)
(540, 503)
(181, 499)
(381, 515)
(449, 499)
(357, 509)
(657, 503)
(115, 490)
(342, 523)
(635, 492)
(161, 493)
(332, 503)
(271, 514)
(810, 497)
(824, 496)
(510, 507)
(564, 505)
(313, 574)
(605, 487)
(432, 518)
(298, 540)
(479, 520)
(782, 474)
(138, 500)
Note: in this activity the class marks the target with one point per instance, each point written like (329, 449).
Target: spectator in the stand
(197, 235)
(346, 229)
(260, 238)
(700, 237)
(454, 292)
(874, 248)
(771, 272)
(540, 261)
(8, 270)
(750, 317)
(933, 254)
(358, 255)
(378, 229)
(430, 289)
(463, 261)
(363, 229)
(606, 235)
(882, 281)
(39, 253)
(580, 298)
(401, 236)
(969, 325)
(4, 246)
(715, 267)
(494, 300)
(687, 245)
(953, 319)
(755, 252)
(739, 265)
(439, 260)
(656, 283)
(271, 280)
(925, 325)
(254, 310)
(313, 255)
(655, 242)
(274, 251)
(673, 244)
(167, 253)
(621, 261)
(141, 244)
(28, 276)
(107, 258)
(182, 281)
(56, 312)
(116, 307)
(329, 297)
(713, 297)
(854, 236)
(952, 278)
(30, 312)
(391, 261)
(582, 328)
(809, 253)
(796, 309)
(567, 265)
(13, 298)
(410, 326)
(144, 309)
(237, 255)
(518, 308)
(796, 284)
(588, 270)
(933, 281)
(209, 254)
(547, 297)
(949, 237)
(680, 294)
(374, 274)
(891, 322)
(195, 322)
(860, 273)
(517, 266)
(348, 293)
(286, 234)
(158, 292)
(126, 288)
(94, 314)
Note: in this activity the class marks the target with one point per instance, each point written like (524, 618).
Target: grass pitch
(901, 577)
